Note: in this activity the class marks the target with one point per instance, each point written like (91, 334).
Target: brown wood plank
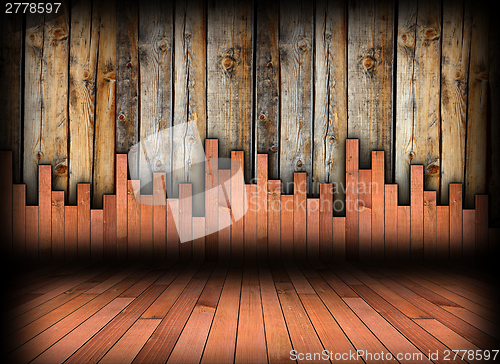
(70, 233)
(31, 233)
(339, 238)
(83, 220)
(44, 212)
(250, 224)
(469, 234)
(225, 220)
(134, 219)
(274, 219)
(286, 224)
(96, 235)
(6, 194)
(146, 226)
(313, 230)
(211, 197)
(352, 217)
(417, 212)
(159, 215)
(404, 234)
(121, 206)
(378, 205)
(325, 222)
(19, 222)
(172, 234)
(482, 221)
(237, 206)
(57, 224)
(109, 226)
(443, 232)
(262, 171)
(299, 216)
(391, 222)
(185, 222)
(456, 221)
(365, 214)
(430, 226)
(199, 248)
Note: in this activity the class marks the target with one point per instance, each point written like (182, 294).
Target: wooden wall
(292, 79)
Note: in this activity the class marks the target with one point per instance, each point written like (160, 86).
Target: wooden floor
(209, 312)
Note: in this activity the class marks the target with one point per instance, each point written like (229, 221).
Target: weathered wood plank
(57, 225)
(159, 215)
(83, 204)
(365, 214)
(121, 206)
(6, 195)
(211, 202)
(325, 222)
(417, 212)
(352, 216)
(456, 219)
(274, 219)
(296, 67)
(134, 219)
(185, 222)
(224, 234)
(378, 205)
(430, 226)
(19, 222)
(262, 173)
(237, 205)
(391, 222)
(44, 212)
(300, 216)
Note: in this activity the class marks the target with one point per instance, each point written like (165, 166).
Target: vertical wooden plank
(378, 205)
(224, 237)
(237, 204)
(104, 137)
(146, 227)
(83, 204)
(229, 78)
(84, 40)
(44, 212)
(6, 195)
(330, 97)
(456, 221)
(57, 225)
(198, 238)
(339, 238)
(121, 206)
(469, 242)
(134, 219)
(391, 222)
(274, 219)
(19, 222)
(267, 65)
(443, 232)
(313, 230)
(454, 80)
(250, 225)
(70, 233)
(404, 233)
(172, 234)
(417, 212)
(299, 215)
(262, 171)
(325, 222)
(477, 128)
(296, 48)
(365, 214)
(482, 226)
(96, 235)
(287, 210)
(109, 226)
(185, 221)
(430, 226)
(369, 70)
(159, 215)
(352, 223)
(31, 233)
(211, 197)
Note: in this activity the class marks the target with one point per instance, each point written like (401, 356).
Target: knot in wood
(191, 140)
(61, 169)
(121, 117)
(35, 40)
(369, 64)
(269, 64)
(262, 117)
(303, 45)
(129, 64)
(411, 155)
(158, 163)
(406, 39)
(228, 63)
(433, 169)
(299, 163)
(274, 148)
(331, 140)
(163, 45)
(39, 155)
(430, 33)
(58, 34)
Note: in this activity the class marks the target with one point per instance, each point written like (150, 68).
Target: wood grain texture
(456, 220)
(365, 214)
(121, 206)
(352, 216)
(404, 233)
(146, 226)
(325, 222)
(70, 232)
(339, 238)
(237, 205)
(57, 224)
(159, 215)
(6, 195)
(430, 226)
(250, 225)
(300, 216)
(417, 212)
(286, 224)
(199, 247)
(443, 232)
(185, 222)
(378, 205)
(274, 219)
(312, 245)
(262, 208)
(96, 234)
(109, 226)
(469, 235)
(83, 204)
(172, 232)
(229, 78)
(391, 222)
(44, 212)
(133, 219)
(211, 203)
(296, 64)
(19, 222)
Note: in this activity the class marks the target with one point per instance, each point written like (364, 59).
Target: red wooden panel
(199, 243)
(469, 235)
(109, 223)
(211, 199)
(339, 238)
(96, 234)
(262, 171)
(83, 196)
(58, 225)
(44, 211)
(352, 222)
(159, 216)
(430, 225)
(121, 206)
(224, 217)
(185, 221)
(19, 221)
(404, 234)
(391, 222)
(287, 210)
(6, 206)
(146, 227)
(250, 224)
(456, 221)
(299, 215)
(237, 198)
(443, 232)
(172, 234)
(417, 212)
(365, 214)
(378, 205)
(70, 232)
(31, 233)
(482, 220)
(274, 219)
(313, 229)
(325, 222)
(134, 219)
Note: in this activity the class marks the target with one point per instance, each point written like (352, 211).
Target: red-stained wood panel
(212, 198)
(417, 212)
(44, 212)
(7, 202)
(172, 233)
(287, 210)
(58, 225)
(456, 221)
(121, 206)
(262, 171)
(185, 221)
(199, 246)
(352, 222)
(146, 227)
(404, 233)
(83, 203)
(325, 222)
(19, 222)
(31, 233)
(224, 243)
(159, 215)
(274, 219)
(443, 232)
(109, 224)
(339, 238)
(469, 235)
(250, 225)
(430, 225)
(134, 219)
(482, 220)
(378, 205)
(70, 232)
(313, 229)
(391, 222)
(96, 234)
(365, 214)
(237, 205)
(299, 216)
